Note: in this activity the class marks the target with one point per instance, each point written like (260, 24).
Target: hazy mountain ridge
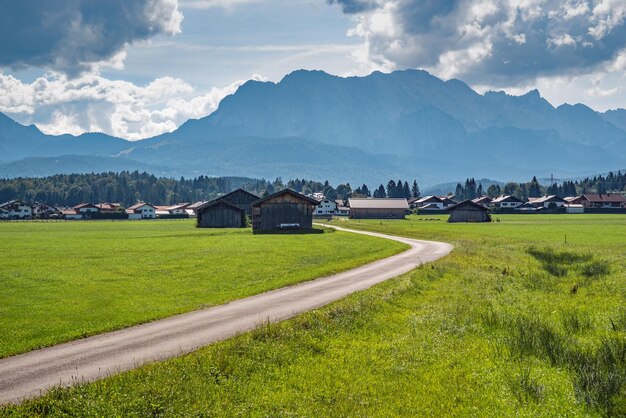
(407, 123)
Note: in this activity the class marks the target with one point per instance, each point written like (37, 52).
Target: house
(342, 210)
(506, 202)
(468, 211)
(447, 201)
(327, 207)
(4, 214)
(483, 200)
(378, 208)
(179, 210)
(71, 214)
(431, 207)
(547, 202)
(45, 211)
(528, 207)
(427, 200)
(109, 207)
(17, 209)
(220, 213)
(141, 211)
(606, 201)
(285, 209)
(86, 209)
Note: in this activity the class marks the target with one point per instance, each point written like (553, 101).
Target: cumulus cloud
(91, 103)
(496, 41)
(74, 35)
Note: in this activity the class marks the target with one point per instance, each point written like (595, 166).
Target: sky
(138, 69)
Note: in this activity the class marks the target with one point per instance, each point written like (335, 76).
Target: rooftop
(378, 203)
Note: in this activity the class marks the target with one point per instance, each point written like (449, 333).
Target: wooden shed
(468, 211)
(283, 210)
(378, 208)
(240, 198)
(221, 214)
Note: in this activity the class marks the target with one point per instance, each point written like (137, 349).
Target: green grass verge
(513, 323)
(62, 281)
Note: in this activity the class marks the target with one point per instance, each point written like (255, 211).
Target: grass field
(61, 281)
(515, 322)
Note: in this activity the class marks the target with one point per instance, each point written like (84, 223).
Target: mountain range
(405, 124)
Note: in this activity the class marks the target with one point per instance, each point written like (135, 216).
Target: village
(288, 209)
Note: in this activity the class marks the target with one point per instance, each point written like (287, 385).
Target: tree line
(612, 182)
(129, 188)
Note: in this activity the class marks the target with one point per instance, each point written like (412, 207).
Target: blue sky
(137, 69)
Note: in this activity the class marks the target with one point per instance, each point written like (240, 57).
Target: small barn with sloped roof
(220, 213)
(283, 210)
(378, 208)
(240, 198)
(211, 215)
(468, 211)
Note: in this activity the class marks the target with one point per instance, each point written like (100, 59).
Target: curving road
(31, 374)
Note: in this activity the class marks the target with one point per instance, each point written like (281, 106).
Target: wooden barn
(211, 215)
(468, 211)
(378, 208)
(283, 210)
(220, 213)
(240, 198)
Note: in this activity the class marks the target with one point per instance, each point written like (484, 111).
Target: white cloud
(91, 103)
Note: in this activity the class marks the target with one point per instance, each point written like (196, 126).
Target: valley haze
(359, 129)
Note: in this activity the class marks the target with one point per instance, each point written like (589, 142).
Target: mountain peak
(302, 75)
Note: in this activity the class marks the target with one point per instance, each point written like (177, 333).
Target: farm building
(221, 214)
(468, 211)
(192, 209)
(285, 209)
(574, 208)
(240, 198)
(378, 208)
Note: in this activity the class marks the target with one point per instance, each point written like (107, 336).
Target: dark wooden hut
(221, 214)
(240, 198)
(283, 210)
(468, 211)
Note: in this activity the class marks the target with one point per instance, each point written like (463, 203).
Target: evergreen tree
(406, 191)
(459, 192)
(534, 189)
(415, 190)
(494, 191)
(380, 192)
(391, 189)
(479, 191)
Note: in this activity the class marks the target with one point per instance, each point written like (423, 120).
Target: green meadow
(526, 317)
(61, 281)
